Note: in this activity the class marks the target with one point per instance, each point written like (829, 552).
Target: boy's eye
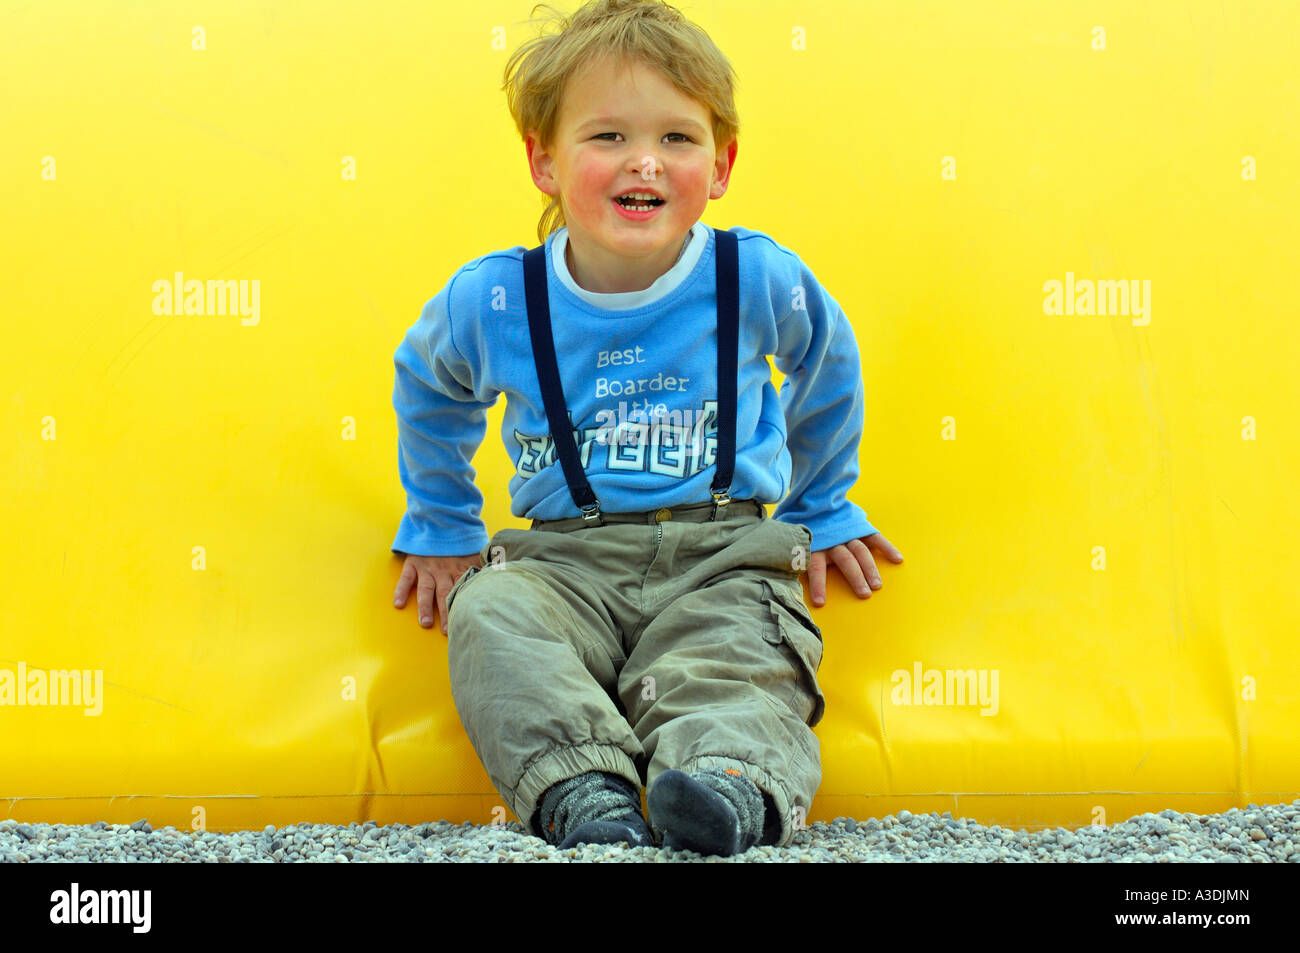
(682, 134)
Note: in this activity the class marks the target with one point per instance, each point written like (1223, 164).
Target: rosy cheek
(699, 178)
(589, 184)
(692, 182)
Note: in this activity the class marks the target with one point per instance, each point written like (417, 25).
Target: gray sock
(743, 795)
(594, 796)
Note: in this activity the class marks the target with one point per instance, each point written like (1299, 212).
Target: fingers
(856, 566)
(427, 590)
(862, 554)
(817, 578)
(853, 558)
(404, 585)
(882, 545)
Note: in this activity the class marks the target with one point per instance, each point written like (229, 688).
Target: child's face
(627, 128)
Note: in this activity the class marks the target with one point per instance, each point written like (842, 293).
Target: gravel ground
(1259, 834)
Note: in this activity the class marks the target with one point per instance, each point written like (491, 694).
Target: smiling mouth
(639, 205)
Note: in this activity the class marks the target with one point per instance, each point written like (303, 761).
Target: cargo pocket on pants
(455, 588)
(790, 625)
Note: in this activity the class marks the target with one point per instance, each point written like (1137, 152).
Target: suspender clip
(720, 499)
(592, 512)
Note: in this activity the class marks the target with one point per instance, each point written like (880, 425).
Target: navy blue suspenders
(548, 374)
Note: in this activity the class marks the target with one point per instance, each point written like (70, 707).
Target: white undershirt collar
(696, 241)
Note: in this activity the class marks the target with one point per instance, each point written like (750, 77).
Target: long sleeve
(440, 425)
(822, 397)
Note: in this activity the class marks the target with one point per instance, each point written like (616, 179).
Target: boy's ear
(722, 170)
(541, 165)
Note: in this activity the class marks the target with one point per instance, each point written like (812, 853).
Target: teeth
(645, 196)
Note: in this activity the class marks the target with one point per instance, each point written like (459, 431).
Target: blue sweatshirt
(639, 374)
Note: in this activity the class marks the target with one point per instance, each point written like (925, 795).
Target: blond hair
(648, 31)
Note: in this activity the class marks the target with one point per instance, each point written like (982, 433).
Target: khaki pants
(633, 647)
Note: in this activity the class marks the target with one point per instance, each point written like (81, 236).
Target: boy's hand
(854, 559)
(435, 575)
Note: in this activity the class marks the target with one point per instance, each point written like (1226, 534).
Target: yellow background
(130, 438)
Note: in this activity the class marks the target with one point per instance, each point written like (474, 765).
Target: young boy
(649, 627)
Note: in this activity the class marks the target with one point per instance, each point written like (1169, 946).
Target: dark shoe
(693, 816)
(634, 830)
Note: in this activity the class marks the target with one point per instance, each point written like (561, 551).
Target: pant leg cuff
(559, 764)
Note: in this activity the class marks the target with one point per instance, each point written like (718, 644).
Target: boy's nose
(649, 167)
